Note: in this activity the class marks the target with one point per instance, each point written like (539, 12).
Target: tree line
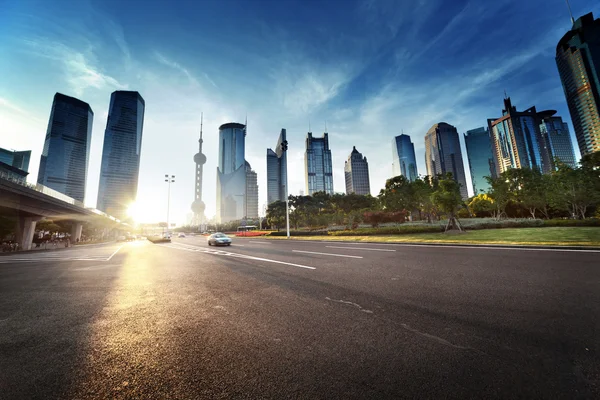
(565, 193)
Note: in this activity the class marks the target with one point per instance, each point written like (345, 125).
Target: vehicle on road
(121, 238)
(219, 239)
(181, 235)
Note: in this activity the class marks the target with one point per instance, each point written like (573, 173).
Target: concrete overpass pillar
(76, 232)
(25, 231)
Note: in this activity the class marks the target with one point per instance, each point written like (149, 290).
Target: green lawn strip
(560, 236)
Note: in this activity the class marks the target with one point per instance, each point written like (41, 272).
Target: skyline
(64, 55)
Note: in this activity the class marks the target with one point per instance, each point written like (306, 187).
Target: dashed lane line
(326, 254)
(358, 248)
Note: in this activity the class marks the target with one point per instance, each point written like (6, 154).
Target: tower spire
(325, 126)
(309, 124)
(570, 13)
(201, 124)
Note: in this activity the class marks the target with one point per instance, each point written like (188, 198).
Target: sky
(368, 70)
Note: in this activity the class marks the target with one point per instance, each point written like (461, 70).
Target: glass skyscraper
(317, 165)
(231, 173)
(64, 160)
(481, 160)
(356, 172)
(276, 171)
(516, 139)
(556, 142)
(17, 159)
(443, 154)
(121, 153)
(578, 61)
(251, 193)
(404, 161)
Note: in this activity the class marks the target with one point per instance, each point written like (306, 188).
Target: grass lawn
(559, 236)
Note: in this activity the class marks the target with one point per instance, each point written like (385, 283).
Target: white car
(219, 239)
(181, 235)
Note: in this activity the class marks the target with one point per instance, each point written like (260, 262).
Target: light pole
(169, 180)
(284, 147)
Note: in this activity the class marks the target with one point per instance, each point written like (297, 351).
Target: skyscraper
(481, 160)
(443, 154)
(317, 165)
(516, 139)
(198, 205)
(404, 161)
(556, 142)
(17, 159)
(251, 193)
(64, 160)
(231, 173)
(121, 153)
(356, 172)
(276, 171)
(578, 61)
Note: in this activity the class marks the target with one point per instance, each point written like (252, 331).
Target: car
(219, 239)
(181, 235)
(121, 239)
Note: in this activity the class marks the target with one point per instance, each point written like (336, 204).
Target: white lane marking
(260, 242)
(326, 254)
(236, 255)
(352, 304)
(357, 248)
(116, 251)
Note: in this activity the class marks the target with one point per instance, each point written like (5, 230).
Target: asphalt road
(278, 319)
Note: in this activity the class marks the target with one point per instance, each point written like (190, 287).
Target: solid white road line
(357, 248)
(116, 251)
(326, 254)
(500, 248)
(256, 241)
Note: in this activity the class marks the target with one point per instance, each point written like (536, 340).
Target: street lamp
(169, 180)
(284, 147)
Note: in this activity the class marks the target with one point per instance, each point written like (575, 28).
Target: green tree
(575, 189)
(423, 188)
(530, 188)
(500, 194)
(482, 205)
(398, 194)
(448, 199)
(276, 214)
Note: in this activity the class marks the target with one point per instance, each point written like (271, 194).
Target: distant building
(121, 153)
(578, 61)
(356, 172)
(276, 171)
(17, 159)
(556, 142)
(481, 160)
(64, 160)
(404, 161)
(317, 165)
(251, 193)
(443, 154)
(231, 173)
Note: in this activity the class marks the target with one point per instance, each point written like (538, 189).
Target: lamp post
(284, 147)
(169, 180)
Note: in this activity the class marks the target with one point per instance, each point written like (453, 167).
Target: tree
(530, 188)
(448, 199)
(575, 189)
(482, 205)
(276, 214)
(47, 225)
(423, 188)
(398, 194)
(500, 194)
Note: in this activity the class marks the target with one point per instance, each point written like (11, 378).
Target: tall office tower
(198, 205)
(556, 142)
(251, 207)
(404, 161)
(317, 165)
(356, 172)
(64, 161)
(443, 154)
(481, 160)
(277, 170)
(121, 153)
(516, 139)
(231, 173)
(17, 159)
(578, 61)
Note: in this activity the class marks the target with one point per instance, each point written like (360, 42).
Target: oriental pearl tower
(198, 205)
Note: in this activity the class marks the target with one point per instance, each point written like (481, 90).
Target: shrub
(299, 233)
(390, 230)
(379, 217)
(572, 222)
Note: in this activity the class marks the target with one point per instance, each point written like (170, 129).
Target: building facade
(481, 160)
(556, 142)
(121, 153)
(277, 171)
(578, 62)
(317, 165)
(515, 139)
(231, 173)
(251, 198)
(16, 159)
(404, 161)
(443, 154)
(65, 156)
(356, 172)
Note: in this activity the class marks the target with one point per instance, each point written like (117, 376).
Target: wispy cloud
(12, 107)
(170, 63)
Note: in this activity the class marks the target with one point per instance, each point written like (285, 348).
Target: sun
(137, 212)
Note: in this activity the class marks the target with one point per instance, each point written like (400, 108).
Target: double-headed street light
(169, 180)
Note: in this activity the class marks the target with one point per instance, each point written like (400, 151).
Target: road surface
(316, 320)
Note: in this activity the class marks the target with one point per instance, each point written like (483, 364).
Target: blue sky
(370, 69)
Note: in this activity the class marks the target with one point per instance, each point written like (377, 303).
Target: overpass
(31, 203)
